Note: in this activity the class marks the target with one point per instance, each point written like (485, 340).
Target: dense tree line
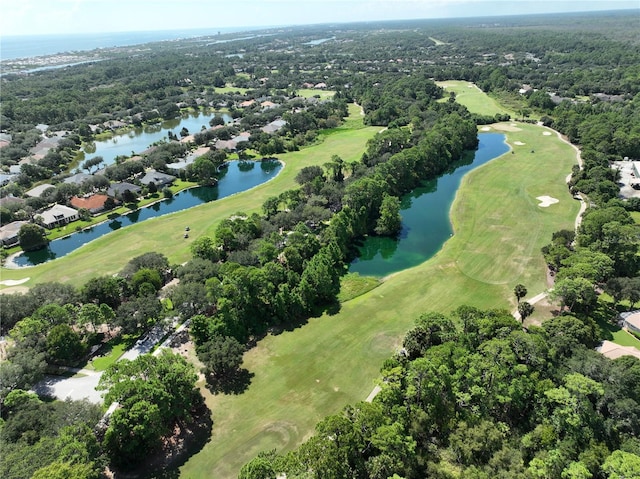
(261, 271)
(473, 395)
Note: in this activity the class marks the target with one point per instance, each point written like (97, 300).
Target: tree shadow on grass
(606, 317)
(234, 383)
(177, 450)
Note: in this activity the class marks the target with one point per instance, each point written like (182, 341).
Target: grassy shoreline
(109, 254)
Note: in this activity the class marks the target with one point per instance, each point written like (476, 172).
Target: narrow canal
(238, 177)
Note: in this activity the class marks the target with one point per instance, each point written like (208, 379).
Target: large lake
(238, 177)
(139, 139)
(425, 218)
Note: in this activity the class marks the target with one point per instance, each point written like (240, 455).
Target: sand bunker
(14, 282)
(546, 201)
(505, 127)
(519, 143)
(546, 133)
(486, 128)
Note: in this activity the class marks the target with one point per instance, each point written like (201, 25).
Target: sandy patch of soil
(546, 133)
(546, 201)
(505, 127)
(14, 282)
(485, 128)
(519, 143)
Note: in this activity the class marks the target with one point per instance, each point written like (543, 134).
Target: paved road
(83, 384)
(77, 387)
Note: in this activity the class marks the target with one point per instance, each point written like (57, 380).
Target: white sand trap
(512, 124)
(546, 201)
(486, 128)
(14, 282)
(546, 133)
(505, 127)
(519, 143)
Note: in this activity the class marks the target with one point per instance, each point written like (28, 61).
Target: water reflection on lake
(139, 139)
(425, 218)
(237, 177)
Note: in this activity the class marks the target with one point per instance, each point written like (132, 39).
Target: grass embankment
(304, 375)
(109, 254)
(476, 101)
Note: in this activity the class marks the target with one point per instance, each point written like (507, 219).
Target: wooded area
(472, 393)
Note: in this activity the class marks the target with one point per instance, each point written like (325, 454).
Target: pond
(425, 218)
(139, 139)
(237, 177)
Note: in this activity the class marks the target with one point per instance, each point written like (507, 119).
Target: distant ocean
(12, 47)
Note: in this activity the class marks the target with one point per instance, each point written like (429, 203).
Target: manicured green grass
(309, 92)
(109, 254)
(353, 285)
(117, 349)
(231, 89)
(636, 216)
(469, 95)
(301, 376)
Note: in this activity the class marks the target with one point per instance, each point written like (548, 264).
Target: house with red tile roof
(94, 203)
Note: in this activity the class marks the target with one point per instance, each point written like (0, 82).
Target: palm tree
(525, 310)
(520, 291)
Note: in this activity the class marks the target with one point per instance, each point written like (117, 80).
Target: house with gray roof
(159, 179)
(38, 190)
(11, 200)
(631, 321)
(78, 178)
(57, 215)
(116, 189)
(275, 125)
(9, 233)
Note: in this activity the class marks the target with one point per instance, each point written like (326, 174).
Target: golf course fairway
(303, 375)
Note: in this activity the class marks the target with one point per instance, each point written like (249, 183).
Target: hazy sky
(30, 17)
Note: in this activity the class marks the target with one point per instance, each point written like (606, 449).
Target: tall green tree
(32, 237)
(390, 222)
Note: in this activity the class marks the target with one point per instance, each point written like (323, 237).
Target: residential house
(6, 179)
(179, 165)
(9, 233)
(57, 215)
(631, 321)
(46, 145)
(11, 200)
(94, 203)
(78, 178)
(159, 179)
(38, 190)
(275, 125)
(116, 189)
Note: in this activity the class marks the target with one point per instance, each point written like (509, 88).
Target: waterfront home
(159, 179)
(93, 203)
(57, 215)
(116, 189)
(9, 233)
(78, 178)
